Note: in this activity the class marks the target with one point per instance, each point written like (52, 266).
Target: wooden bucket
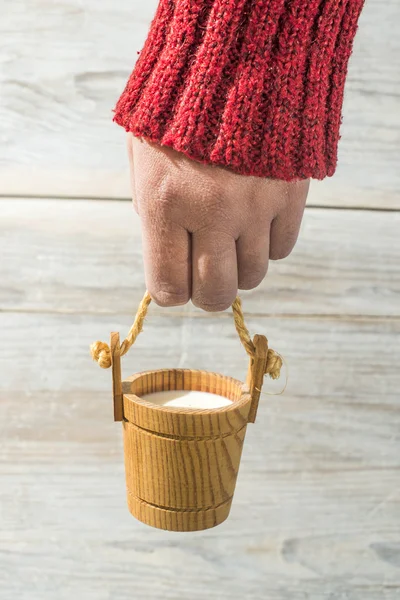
(181, 464)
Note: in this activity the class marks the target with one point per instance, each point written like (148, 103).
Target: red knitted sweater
(253, 85)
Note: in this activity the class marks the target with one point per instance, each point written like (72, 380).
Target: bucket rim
(235, 404)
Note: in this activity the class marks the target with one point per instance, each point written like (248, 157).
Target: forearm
(253, 85)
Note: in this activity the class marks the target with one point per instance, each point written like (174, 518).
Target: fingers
(175, 196)
(129, 144)
(252, 257)
(214, 277)
(286, 225)
(167, 261)
(284, 233)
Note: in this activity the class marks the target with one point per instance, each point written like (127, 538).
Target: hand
(206, 230)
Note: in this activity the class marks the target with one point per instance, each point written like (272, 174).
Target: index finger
(167, 260)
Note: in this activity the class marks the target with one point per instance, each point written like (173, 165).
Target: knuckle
(213, 303)
(165, 191)
(252, 270)
(281, 247)
(281, 252)
(169, 298)
(249, 281)
(160, 198)
(213, 193)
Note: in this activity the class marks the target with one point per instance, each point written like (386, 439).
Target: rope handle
(101, 352)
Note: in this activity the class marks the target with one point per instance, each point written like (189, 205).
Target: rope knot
(274, 365)
(101, 353)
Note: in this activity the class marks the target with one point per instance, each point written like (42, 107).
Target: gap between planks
(311, 204)
(209, 315)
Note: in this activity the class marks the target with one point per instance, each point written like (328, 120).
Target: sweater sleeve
(253, 85)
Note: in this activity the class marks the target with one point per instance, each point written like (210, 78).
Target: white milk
(187, 399)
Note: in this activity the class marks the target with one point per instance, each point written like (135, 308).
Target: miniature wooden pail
(182, 463)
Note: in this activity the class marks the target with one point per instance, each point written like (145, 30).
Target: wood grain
(180, 423)
(115, 350)
(65, 64)
(181, 464)
(256, 373)
(320, 469)
(85, 257)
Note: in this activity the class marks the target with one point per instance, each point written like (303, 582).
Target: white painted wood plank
(317, 507)
(64, 64)
(83, 256)
(330, 356)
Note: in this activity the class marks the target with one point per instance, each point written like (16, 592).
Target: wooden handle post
(116, 377)
(256, 372)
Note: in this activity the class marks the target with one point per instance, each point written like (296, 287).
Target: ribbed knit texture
(253, 85)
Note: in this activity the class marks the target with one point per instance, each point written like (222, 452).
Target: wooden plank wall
(86, 256)
(63, 65)
(316, 514)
